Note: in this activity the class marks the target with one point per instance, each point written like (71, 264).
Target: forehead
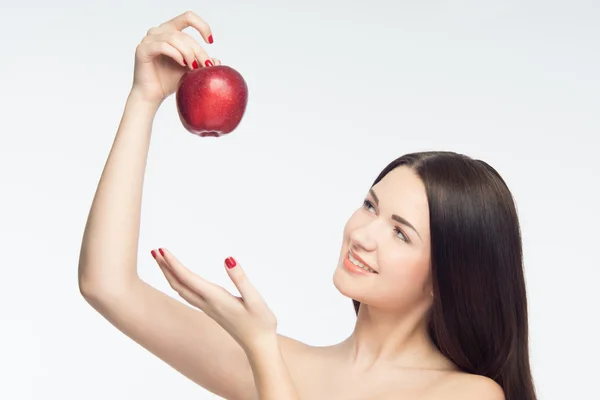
(403, 193)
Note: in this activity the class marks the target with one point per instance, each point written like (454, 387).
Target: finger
(186, 45)
(152, 49)
(172, 279)
(187, 19)
(216, 61)
(241, 281)
(199, 53)
(185, 292)
(208, 291)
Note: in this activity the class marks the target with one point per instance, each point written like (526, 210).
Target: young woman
(432, 261)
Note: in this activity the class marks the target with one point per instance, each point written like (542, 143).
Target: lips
(358, 258)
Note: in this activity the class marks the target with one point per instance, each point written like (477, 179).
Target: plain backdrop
(337, 90)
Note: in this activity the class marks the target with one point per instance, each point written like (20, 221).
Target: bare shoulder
(292, 345)
(465, 386)
(307, 363)
(295, 352)
(481, 387)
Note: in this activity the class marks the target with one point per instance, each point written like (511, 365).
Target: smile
(353, 264)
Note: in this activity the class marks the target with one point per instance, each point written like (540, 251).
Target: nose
(363, 238)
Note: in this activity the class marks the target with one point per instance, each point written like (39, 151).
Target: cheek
(407, 268)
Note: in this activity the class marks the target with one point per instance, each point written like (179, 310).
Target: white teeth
(359, 264)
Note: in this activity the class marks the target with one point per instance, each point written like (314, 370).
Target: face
(389, 234)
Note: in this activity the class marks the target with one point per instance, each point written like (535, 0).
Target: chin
(347, 286)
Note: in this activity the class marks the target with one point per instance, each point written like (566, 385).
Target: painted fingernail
(210, 39)
(230, 262)
(195, 64)
(153, 254)
(208, 63)
(162, 253)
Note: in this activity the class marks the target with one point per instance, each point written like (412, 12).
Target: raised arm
(183, 337)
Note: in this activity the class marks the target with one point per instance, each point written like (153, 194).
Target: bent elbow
(97, 291)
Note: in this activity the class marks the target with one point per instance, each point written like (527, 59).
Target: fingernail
(230, 262)
(162, 253)
(210, 39)
(153, 254)
(195, 64)
(208, 63)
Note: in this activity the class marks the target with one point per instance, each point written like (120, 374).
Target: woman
(432, 261)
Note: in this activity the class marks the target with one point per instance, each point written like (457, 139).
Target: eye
(368, 206)
(402, 236)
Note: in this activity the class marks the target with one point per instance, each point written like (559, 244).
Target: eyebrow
(395, 217)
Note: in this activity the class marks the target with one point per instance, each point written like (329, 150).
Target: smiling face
(389, 234)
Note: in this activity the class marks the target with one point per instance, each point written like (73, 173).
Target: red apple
(211, 101)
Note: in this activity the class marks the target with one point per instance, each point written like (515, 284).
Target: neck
(395, 338)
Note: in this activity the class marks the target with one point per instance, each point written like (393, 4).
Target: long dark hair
(479, 313)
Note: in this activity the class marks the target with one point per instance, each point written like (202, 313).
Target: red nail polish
(195, 64)
(230, 262)
(184, 62)
(208, 63)
(153, 254)
(210, 39)
(162, 253)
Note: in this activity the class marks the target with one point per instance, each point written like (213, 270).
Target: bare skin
(325, 373)
(388, 355)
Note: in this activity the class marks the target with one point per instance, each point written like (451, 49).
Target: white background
(337, 90)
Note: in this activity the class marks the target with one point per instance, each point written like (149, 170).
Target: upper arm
(183, 337)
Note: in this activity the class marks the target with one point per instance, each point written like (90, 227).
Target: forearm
(108, 254)
(271, 375)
